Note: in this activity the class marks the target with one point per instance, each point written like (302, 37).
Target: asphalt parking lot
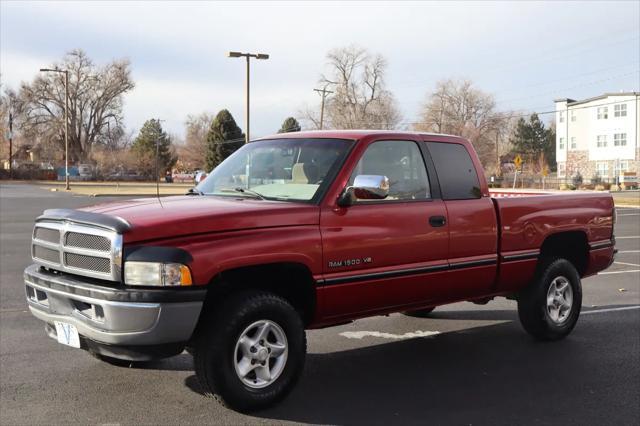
(476, 365)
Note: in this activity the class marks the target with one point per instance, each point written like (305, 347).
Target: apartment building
(598, 136)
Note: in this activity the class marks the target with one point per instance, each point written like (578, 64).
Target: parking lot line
(618, 272)
(597, 311)
(628, 237)
(409, 335)
(628, 264)
(628, 251)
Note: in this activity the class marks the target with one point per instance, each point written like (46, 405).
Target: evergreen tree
(531, 138)
(550, 149)
(144, 148)
(223, 139)
(289, 125)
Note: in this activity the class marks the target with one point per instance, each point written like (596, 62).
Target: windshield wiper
(250, 192)
(194, 191)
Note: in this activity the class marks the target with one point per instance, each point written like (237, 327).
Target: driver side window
(402, 163)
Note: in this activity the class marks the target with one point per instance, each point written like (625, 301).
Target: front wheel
(252, 352)
(549, 308)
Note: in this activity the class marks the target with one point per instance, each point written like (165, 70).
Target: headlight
(156, 274)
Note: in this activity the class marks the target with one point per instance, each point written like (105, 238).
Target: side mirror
(365, 187)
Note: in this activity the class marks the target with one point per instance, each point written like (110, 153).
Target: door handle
(437, 221)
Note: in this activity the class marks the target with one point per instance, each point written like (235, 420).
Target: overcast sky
(525, 53)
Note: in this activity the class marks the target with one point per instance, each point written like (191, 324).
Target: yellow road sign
(518, 161)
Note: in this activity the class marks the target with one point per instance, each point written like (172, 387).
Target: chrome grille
(78, 249)
(87, 241)
(92, 263)
(48, 235)
(46, 254)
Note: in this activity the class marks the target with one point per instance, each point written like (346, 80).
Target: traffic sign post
(10, 137)
(518, 163)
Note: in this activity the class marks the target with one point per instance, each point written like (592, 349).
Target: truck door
(381, 254)
(473, 233)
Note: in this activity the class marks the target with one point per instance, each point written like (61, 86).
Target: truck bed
(524, 227)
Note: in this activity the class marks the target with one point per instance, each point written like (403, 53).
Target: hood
(168, 217)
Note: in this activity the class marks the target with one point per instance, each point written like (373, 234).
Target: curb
(127, 195)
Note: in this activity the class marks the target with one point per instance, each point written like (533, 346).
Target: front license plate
(67, 334)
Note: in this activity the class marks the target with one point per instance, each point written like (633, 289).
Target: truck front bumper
(133, 324)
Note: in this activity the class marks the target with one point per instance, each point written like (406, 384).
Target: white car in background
(200, 175)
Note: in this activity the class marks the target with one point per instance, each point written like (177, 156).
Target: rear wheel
(252, 352)
(549, 308)
(420, 313)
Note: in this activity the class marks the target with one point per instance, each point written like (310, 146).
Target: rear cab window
(456, 172)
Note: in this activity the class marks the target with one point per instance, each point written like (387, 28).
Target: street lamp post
(248, 56)
(66, 122)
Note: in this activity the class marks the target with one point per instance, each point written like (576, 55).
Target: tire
(550, 306)
(420, 313)
(221, 355)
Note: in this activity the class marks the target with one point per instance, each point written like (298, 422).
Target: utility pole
(323, 92)
(247, 111)
(66, 129)
(10, 144)
(66, 121)
(248, 56)
(158, 155)
(498, 168)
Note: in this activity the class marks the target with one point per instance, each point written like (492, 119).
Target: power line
(505, 115)
(571, 77)
(590, 83)
(555, 55)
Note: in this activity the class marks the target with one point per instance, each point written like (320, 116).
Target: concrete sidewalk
(114, 189)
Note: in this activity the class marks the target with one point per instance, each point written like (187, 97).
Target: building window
(574, 144)
(621, 167)
(574, 116)
(561, 117)
(603, 113)
(620, 110)
(620, 139)
(561, 143)
(562, 169)
(601, 141)
(602, 169)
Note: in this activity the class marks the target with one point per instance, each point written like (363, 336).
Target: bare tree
(359, 98)
(5, 106)
(458, 108)
(192, 154)
(95, 99)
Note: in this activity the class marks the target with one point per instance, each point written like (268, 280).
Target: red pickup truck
(301, 231)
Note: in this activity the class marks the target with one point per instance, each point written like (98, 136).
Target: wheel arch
(570, 245)
(292, 281)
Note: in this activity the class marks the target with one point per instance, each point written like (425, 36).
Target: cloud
(177, 49)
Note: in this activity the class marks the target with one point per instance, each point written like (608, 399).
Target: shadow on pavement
(487, 375)
(497, 315)
(182, 362)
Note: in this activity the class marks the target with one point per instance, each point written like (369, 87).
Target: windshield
(278, 169)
